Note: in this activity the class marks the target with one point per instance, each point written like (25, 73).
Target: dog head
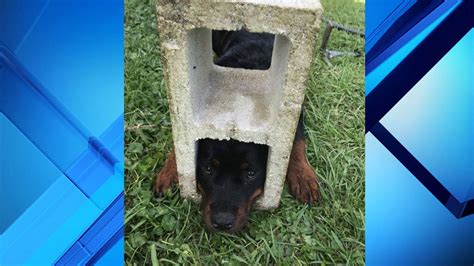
(230, 176)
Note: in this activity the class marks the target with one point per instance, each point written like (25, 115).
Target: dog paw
(166, 178)
(303, 183)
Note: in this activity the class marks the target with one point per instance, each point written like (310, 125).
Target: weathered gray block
(209, 101)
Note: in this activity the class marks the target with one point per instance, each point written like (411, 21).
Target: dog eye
(208, 169)
(251, 174)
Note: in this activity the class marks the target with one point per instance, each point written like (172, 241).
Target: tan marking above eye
(244, 165)
(215, 163)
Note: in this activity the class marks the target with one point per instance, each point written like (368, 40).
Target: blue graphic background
(419, 124)
(61, 132)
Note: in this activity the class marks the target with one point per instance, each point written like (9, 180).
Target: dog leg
(301, 178)
(167, 177)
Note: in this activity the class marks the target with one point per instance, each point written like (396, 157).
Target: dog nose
(223, 221)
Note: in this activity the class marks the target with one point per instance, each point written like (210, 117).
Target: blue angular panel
(105, 232)
(420, 109)
(44, 119)
(80, 39)
(378, 67)
(404, 227)
(434, 121)
(61, 131)
(383, 14)
(19, 187)
(30, 15)
(111, 256)
(49, 225)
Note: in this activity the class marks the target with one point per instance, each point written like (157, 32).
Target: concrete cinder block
(210, 101)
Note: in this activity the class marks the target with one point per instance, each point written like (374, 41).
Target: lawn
(170, 230)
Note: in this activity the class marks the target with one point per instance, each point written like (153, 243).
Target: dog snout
(223, 221)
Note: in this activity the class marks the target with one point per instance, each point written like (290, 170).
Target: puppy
(230, 175)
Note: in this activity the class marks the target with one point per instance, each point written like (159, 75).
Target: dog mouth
(226, 216)
(231, 220)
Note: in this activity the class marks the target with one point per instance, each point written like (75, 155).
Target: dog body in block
(230, 174)
(210, 101)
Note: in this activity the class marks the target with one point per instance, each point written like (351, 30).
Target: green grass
(170, 230)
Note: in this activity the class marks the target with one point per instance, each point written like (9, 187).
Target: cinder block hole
(232, 159)
(234, 98)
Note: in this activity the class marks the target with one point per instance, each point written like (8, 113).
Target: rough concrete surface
(209, 101)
